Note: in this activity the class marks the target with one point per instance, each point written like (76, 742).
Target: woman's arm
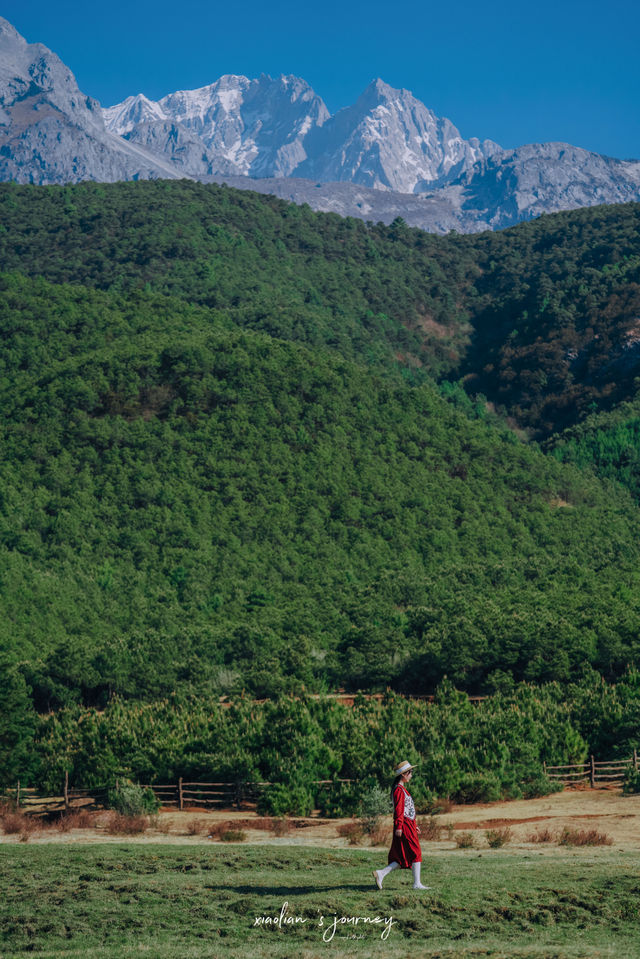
(398, 810)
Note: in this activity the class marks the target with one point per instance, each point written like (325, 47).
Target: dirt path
(606, 811)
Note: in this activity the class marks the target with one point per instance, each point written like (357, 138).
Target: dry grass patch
(353, 832)
(227, 832)
(542, 835)
(75, 819)
(196, 828)
(583, 837)
(120, 825)
(379, 836)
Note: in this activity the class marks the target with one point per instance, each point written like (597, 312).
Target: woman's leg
(415, 869)
(379, 874)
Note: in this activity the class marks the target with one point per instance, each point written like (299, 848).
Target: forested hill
(225, 467)
(543, 318)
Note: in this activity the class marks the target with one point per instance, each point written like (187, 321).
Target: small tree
(130, 799)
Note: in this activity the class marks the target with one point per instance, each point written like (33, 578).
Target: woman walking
(405, 849)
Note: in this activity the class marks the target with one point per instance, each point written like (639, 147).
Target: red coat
(405, 849)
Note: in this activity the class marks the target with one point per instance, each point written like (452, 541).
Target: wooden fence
(181, 795)
(608, 772)
(222, 795)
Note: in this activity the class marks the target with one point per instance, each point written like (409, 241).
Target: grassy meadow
(119, 902)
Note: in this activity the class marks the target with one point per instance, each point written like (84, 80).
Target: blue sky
(515, 73)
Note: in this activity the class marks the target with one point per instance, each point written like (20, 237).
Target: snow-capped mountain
(50, 132)
(387, 155)
(235, 125)
(389, 140)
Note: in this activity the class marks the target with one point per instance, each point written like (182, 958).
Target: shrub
(339, 800)
(16, 822)
(477, 787)
(130, 799)
(352, 831)
(465, 840)
(196, 827)
(122, 825)
(540, 786)
(442, 805)
(375, 803)
(380, 836)
(282, 799)
(280, 826)
(631, 781)
(160, 825)
(541, 835)
(233, 835)
(583, 837)
(430, 830)
(498, 837)
(75, 819)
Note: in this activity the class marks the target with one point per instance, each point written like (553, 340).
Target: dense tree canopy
(227, 464)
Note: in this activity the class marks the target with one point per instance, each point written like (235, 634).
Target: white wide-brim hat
(403, 768)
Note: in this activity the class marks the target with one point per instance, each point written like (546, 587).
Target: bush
(353, 832)
(431, 830)
(583, 837)
(541, 835)
(380, 836)
(498, 837)
(465, 840)
(339, 800)
(540, 786)
(283, 799)
(16, 822)
(75, 819)
(375, 803)
(233, 835)
(130, 799)
(477, 787)
(123, 825)
(631, 781)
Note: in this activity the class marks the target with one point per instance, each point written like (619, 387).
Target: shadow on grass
(306, 890)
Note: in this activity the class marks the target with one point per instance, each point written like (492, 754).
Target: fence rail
(221, 795)
(608, 771)
(181, 795)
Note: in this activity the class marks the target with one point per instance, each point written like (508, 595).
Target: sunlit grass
(119, 902)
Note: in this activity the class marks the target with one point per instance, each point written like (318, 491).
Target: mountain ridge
(278, 133)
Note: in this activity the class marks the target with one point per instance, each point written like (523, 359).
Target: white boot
(379, 874)
(415, 869)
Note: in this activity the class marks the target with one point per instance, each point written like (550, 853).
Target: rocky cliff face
(50, 132)
(235, 126)
(389, 140)
(515, 185)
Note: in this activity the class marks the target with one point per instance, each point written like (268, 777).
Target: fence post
(593, 773)
(18, 795)
(180, 796)
(635, 759)
(66, 789)
(238, 794)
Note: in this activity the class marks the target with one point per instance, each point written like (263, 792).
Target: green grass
(120, 902)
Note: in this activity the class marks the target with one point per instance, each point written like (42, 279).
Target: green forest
(254, 451)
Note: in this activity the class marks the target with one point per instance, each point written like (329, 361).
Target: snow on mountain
(386, 155)
(245, 127)
(389, 140)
